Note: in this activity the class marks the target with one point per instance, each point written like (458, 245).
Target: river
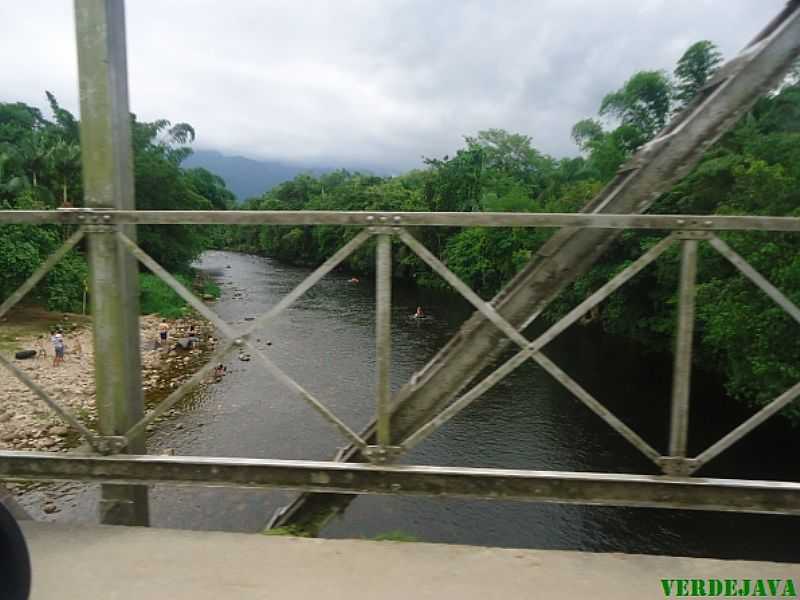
(326, 342)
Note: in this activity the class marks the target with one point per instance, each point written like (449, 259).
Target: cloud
(360, 82)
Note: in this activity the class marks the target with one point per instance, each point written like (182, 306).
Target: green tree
(65, 159)
(40, 169)
(694, 68)
(642, 103)
(587, 132)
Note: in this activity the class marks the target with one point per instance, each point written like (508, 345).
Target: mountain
(246, 177)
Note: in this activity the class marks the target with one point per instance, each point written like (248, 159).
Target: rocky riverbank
(27, 423)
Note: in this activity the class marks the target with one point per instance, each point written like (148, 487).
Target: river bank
(27, 424)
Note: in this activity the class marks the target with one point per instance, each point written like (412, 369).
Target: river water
(326, 342)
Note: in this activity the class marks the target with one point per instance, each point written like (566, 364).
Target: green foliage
(395, 536)
(156, 297)
(642, 103)
(64, 286)
(586, 132)
(694, 68)
(755, 169)
(289, 530)
(40, 169)
(207, 287)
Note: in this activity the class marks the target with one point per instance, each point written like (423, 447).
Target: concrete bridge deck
(122, 563)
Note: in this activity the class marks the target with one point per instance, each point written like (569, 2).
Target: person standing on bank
(58, 347)
(163, 329)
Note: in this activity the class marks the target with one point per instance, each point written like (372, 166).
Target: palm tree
(35, 153)
(65, 161)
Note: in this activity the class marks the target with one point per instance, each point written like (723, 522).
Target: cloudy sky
(371, 82)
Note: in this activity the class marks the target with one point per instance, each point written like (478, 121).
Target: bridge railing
(114, 462)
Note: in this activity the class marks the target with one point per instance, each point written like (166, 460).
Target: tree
(457, 184)
(643, 103)
(65, 159)
(18, 120)
(695, 67)
(211, 187)
(586, 132)
(70, 129)
(35, 150)
(10, 184)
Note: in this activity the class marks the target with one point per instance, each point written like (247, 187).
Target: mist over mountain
(247, 178)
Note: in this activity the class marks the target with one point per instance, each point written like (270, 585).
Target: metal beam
(406, 219)
(43, 270)
(757, 278)
(329, 477)
(747, 426)
(383, 337)
(570, 252)
(107, 156)
(682, 370)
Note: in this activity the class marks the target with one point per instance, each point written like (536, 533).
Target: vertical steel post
(383, 336)
(107, 156)
(681, 374)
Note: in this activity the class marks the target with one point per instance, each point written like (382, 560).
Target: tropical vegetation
(40, 168)
(754, 169)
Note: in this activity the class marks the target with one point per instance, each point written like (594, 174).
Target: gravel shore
(27, 423)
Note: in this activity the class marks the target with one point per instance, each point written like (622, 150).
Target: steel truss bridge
(447, 385)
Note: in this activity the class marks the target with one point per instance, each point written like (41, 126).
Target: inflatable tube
(15, 583)
(25, 354)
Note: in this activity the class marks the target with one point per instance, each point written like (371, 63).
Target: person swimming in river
(354, 280)
(419, 314)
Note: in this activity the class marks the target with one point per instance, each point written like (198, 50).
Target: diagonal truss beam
(533, 349)
(746, 427)
(318, 406)
(178, 394)
(757, 278)
(43, 270)
(239, 339)
(781, 401)
(160, 272)
(62, 412)
(309, 282)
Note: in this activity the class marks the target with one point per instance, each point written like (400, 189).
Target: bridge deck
(120, 563)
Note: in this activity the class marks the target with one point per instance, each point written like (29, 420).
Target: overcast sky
(377, 82)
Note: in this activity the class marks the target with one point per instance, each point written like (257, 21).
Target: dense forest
(754, 169)
(40, 168)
